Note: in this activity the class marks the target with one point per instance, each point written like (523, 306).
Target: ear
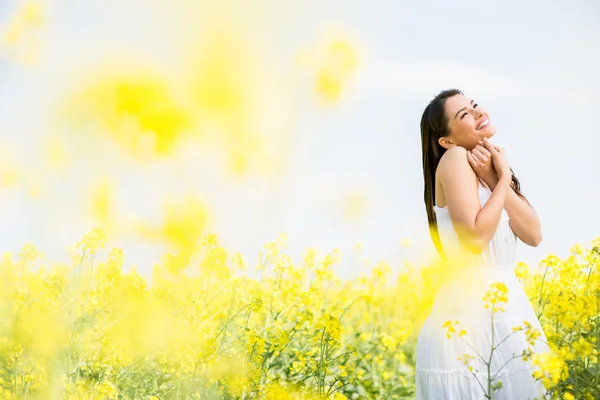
(446, 142)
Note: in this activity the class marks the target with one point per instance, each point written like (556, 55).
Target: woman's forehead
(456, 102)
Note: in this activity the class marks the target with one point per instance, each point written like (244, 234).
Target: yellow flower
(20, 33)
(92, 241)
(28, 252)
(498, 292)
(334, 65)
(568, 396)
(331, 325)
(582, 347)
(577, 250)
(257, 301)
(450, 328)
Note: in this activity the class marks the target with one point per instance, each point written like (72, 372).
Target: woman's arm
(475, 225)
(523, 219)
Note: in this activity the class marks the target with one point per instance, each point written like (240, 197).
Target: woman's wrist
(492, 182)
(504, 179)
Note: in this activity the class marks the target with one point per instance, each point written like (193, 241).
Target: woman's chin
(490, 132)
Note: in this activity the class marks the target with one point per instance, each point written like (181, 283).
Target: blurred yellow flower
(92, 241)
(237, 333)
(334, 64)
(182, 226)
(136, 109)
(21, 35)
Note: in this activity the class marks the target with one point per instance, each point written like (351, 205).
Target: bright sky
(532, 64)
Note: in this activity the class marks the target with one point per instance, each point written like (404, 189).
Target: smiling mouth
(485, 122)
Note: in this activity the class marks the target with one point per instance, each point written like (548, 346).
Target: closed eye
(474, 106)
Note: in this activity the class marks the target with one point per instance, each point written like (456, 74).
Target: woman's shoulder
(454, 151)
(455, 159)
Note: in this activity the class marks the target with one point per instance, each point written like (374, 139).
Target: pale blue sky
(533, 65)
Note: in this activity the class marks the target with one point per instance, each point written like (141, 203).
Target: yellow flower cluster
(466, 359)
(20, 36)
(497, 293)
(566, 293)
(297, 332)
(449, 325)
(92, 241)
(552, 368)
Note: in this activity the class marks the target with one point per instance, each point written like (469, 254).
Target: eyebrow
(462, 109)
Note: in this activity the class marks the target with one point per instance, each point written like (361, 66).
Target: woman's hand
(498, 158)
(480, 159)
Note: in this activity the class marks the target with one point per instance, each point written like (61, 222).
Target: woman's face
(468, 123)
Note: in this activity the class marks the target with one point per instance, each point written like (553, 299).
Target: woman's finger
(479, 155)
(471, 160)
(490, 146)
(483, 150)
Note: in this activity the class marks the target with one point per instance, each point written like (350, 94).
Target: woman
(476, 211)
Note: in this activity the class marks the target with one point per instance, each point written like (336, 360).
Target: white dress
(439, 374)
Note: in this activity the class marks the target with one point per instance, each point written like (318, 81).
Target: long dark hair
(434, 125)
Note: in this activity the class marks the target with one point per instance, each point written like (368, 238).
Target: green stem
(503, 340)
(87, 294)
(542, 285)
(503, 365)
(15, 376)
(73, 311)
(320, 360)
(587, 284)
(489, 364)
(476, 352)
(480, 385)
